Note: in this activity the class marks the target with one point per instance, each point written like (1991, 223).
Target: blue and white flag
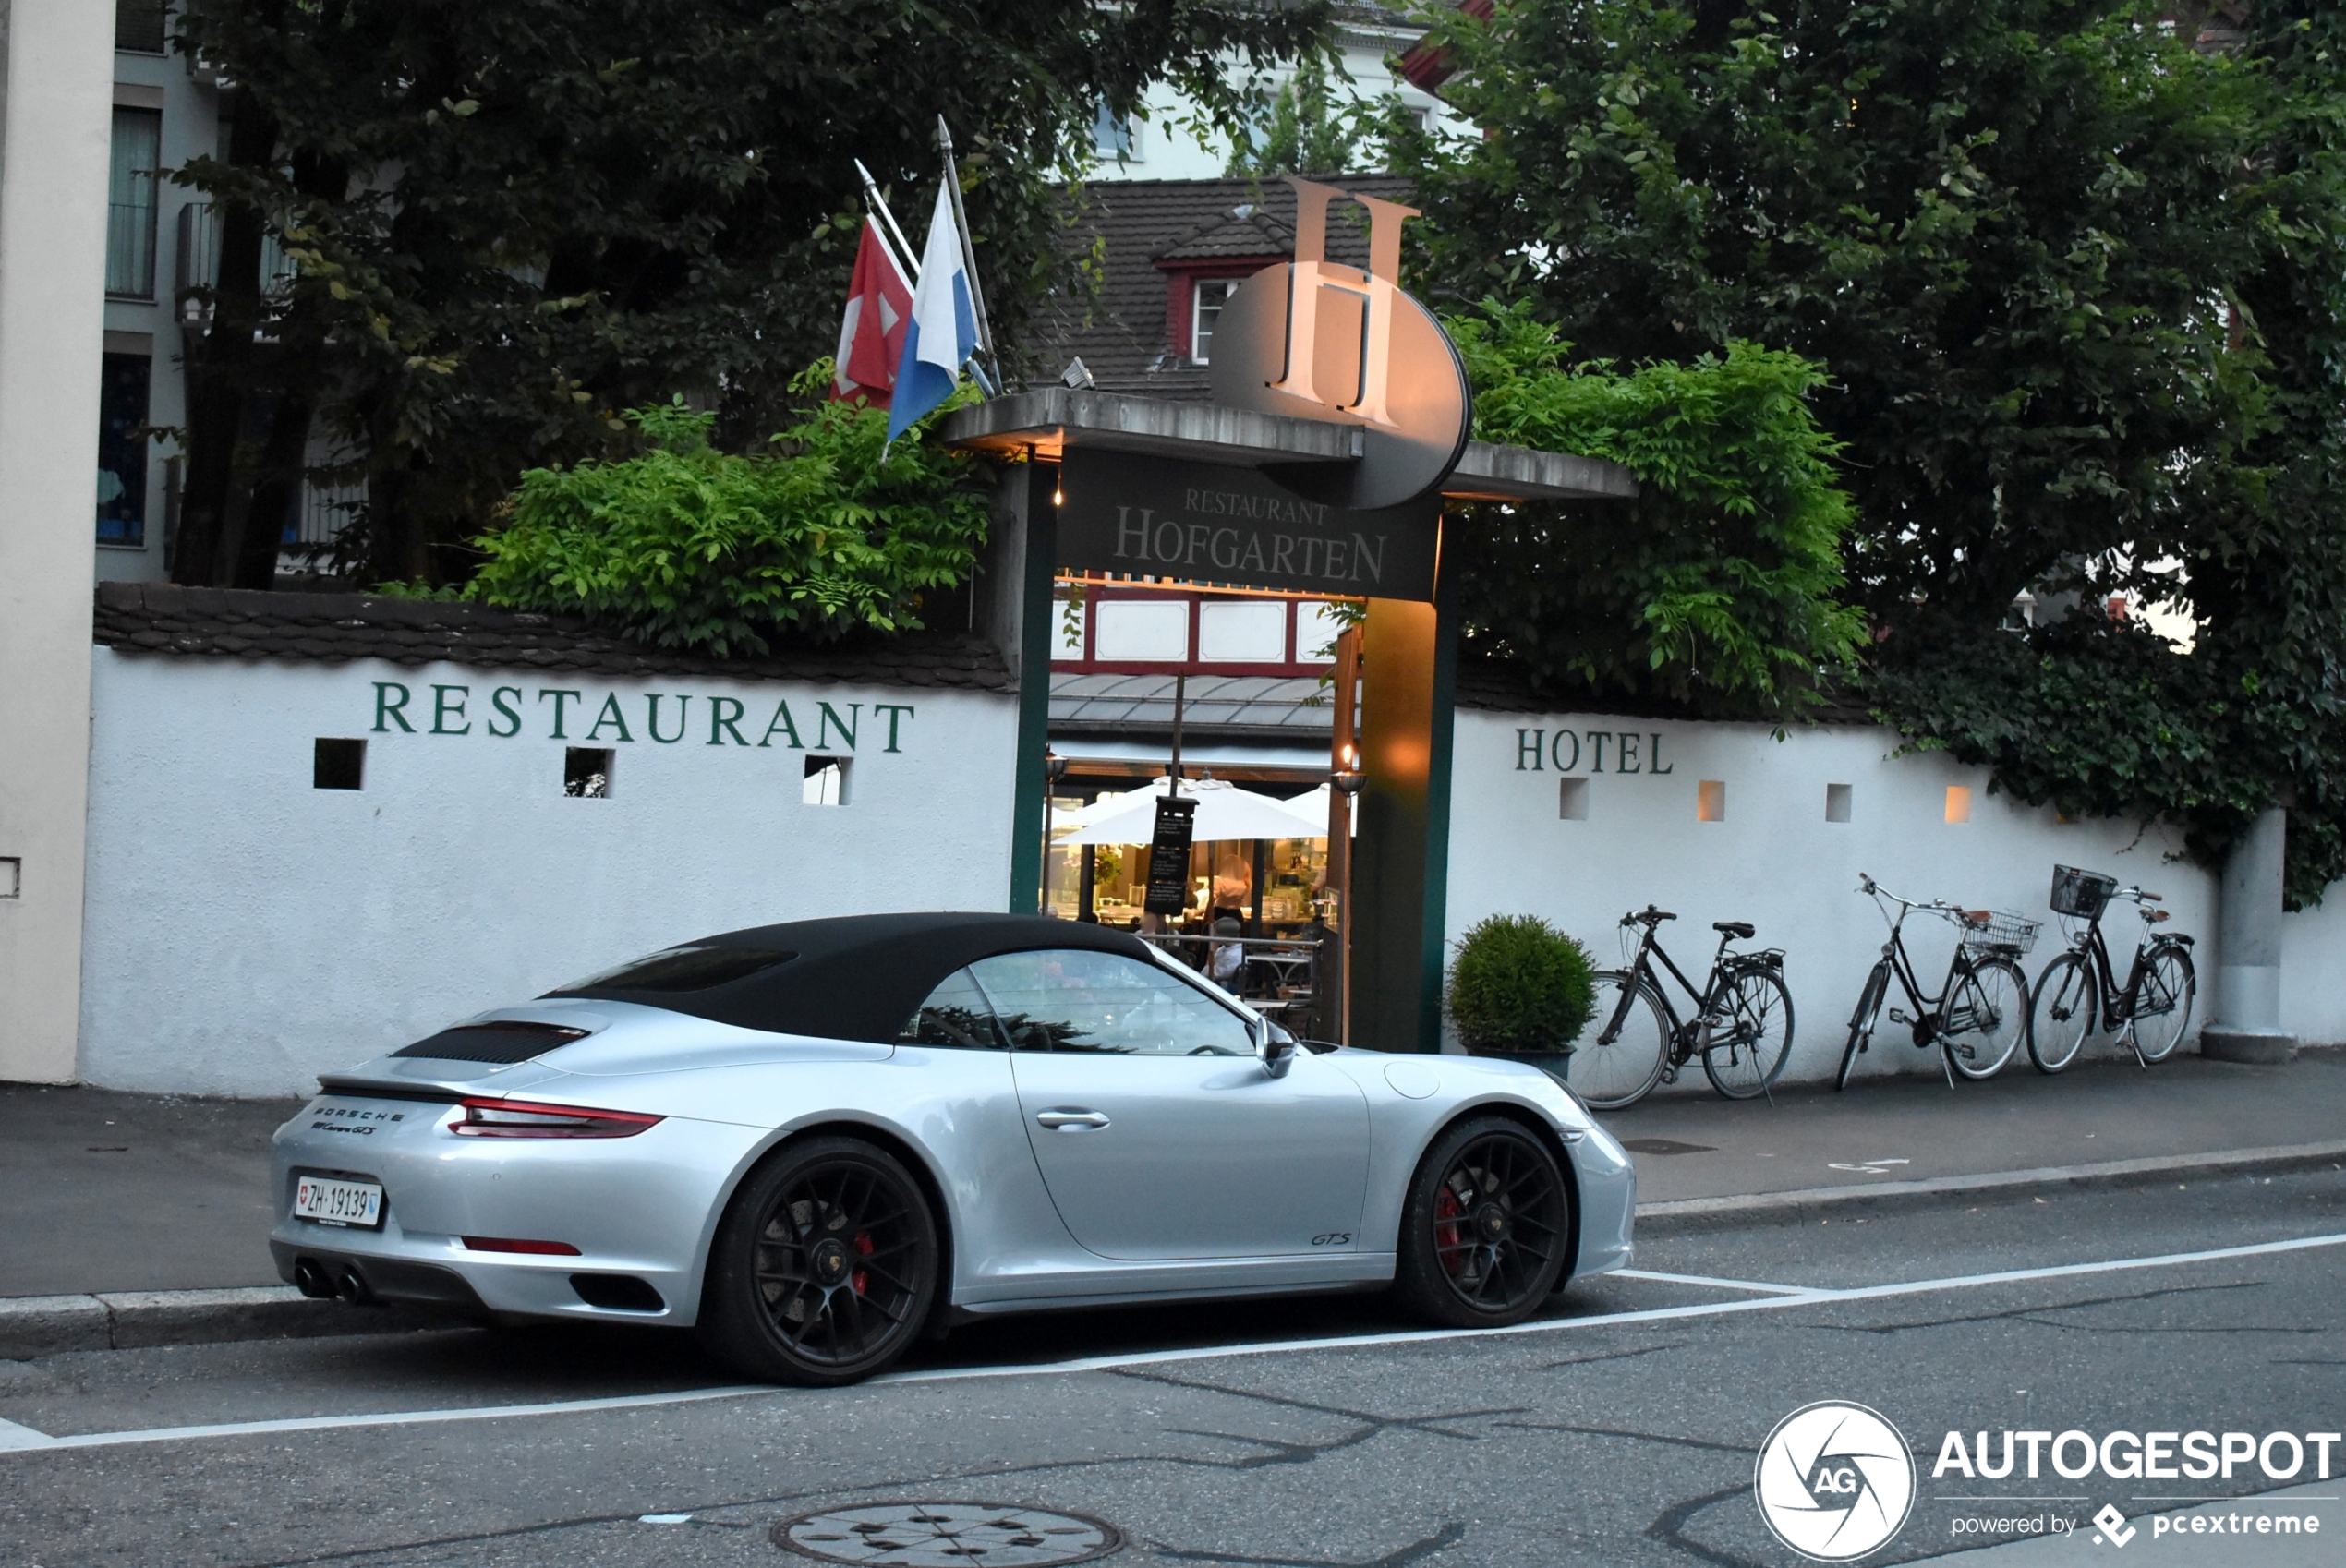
(944, 331)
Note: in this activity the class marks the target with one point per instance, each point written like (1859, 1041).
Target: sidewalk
(1694, 1146)
(102, 1191)
(107, 1192)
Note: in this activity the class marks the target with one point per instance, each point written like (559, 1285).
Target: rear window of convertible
(697, 966)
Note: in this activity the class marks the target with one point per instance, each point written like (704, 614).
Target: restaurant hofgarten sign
(666, 718)
(1207, 523)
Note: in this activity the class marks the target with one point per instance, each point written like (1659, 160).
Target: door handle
(1078, 1121)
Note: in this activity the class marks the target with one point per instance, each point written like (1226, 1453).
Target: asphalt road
(1621, 1429)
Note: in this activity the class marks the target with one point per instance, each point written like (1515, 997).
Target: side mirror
(1277, 1049)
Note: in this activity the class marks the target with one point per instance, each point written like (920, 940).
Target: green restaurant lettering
(449, 712)
(1628, 745)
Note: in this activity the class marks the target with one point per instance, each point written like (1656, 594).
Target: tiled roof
(1120, 333)
(151, 618)
(1290, 708)
(1245, 232)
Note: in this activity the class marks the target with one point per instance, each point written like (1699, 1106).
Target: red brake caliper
(1448, 1232)
(863, 1245)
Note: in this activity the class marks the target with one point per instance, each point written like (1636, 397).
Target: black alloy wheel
(825, 1266)
(1485, 1228)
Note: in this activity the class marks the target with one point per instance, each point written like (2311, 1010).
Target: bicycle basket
(2016, 933)
(2081, 893)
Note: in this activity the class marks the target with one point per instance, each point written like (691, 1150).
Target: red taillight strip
(511, 1243)
(524, 1118)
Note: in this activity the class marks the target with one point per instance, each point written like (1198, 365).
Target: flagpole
(874, 200)
(969, 250)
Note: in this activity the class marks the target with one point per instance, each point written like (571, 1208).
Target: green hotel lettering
(447, 712)
(1534, 751)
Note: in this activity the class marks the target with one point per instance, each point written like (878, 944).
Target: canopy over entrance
(1338, 430)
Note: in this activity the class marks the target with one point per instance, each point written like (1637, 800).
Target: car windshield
(697, 966)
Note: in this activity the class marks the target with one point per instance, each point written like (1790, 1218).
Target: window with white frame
(1205, 310)
(1115, 135)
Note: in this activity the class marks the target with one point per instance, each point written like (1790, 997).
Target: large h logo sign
(1364, 394)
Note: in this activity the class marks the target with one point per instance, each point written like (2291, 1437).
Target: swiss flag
(871, 334)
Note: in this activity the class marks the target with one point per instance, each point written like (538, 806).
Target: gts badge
(1333, 1238)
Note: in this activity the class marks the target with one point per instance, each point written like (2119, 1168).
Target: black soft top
(856, 977)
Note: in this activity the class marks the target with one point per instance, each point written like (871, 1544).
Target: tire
(2063, 1012)
(1861, 1022)
(1760, 1009)
(1610, 1074)
(2163, 1003)
(1987, 1018)
(1483, 1228)
(824, 1268)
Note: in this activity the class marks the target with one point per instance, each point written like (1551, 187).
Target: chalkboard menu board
(1170, 856)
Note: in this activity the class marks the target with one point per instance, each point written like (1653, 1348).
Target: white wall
(54, 124)
(246, 931)
(1776, 862)
(1164, 148)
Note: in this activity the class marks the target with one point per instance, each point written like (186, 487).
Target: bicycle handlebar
(1647, 916)
(1867, 885)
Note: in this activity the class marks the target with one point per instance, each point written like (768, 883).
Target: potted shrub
(1520, 987)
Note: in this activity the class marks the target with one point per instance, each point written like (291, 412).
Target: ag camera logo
(1834, 1481)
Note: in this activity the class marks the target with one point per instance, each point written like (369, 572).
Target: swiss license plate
(338, 1202)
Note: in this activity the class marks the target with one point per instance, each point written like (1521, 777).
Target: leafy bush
(1720, 584)
(1519, 984)
(687, 546)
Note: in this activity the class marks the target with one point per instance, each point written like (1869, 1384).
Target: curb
(1683, 1215)
(138, 1319)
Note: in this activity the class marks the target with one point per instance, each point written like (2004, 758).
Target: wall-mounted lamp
(1348, 778)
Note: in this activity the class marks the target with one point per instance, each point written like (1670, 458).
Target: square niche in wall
(1572, 800)
(1958, 802)
(1710, 801)
(338, 764)
(587, 772)
(826, 781)
(1836, 802)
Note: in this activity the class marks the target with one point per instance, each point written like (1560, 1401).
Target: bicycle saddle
(1737, 928)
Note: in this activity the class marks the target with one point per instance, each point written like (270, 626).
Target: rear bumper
(639, 1212)
(380, 1278)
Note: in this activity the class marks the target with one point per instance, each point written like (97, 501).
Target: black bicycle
(1741, 1027)
(2077, 993)
(1980, 1014)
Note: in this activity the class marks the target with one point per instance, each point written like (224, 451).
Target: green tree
(511, 219)
(835, 531)
(2075, 279)
(1308, 129)
(1718, 588)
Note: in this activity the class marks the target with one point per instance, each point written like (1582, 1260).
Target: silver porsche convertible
(815, 1142)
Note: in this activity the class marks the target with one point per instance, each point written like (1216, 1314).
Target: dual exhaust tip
(322, 1282)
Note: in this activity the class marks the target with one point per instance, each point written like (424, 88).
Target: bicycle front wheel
(1758, 1029)
(1618, 1062)
(1987, 1018)
(2162, 1003)
(2067, 1003)
(1861, 1022)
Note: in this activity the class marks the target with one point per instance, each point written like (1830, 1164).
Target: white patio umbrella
(1223, 811)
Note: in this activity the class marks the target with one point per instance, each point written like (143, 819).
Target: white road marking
(1794, 1297)
(44, 1442)
(1711, 1282)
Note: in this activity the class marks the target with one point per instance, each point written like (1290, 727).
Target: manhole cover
(948, 1534)
(1664, 1145)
